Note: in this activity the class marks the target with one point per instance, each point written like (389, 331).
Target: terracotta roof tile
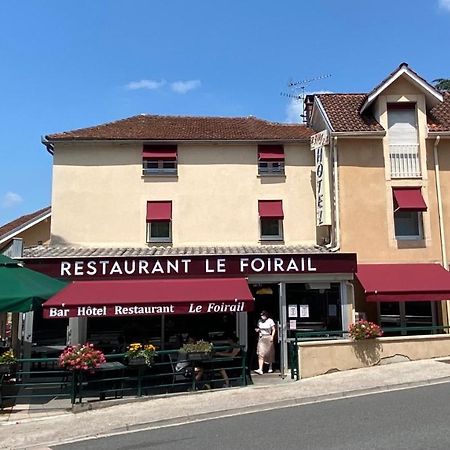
(21, 221)
(439, 116)
(343, 112)
(43, 251)
(150, 127)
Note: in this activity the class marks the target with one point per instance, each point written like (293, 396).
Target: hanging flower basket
(81, 358)
(364, 329)
(198, 351)
(140, 355)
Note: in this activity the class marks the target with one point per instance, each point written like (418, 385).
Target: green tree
(442, 84)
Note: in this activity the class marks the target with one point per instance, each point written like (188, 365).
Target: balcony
(405, 161)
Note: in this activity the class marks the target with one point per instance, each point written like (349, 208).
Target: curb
(286, 403)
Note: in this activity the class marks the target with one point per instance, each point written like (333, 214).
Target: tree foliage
(442, 84)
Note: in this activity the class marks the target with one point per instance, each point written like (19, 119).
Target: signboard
(127, 310)
(159, 267)
(292, 311)
(320, 144)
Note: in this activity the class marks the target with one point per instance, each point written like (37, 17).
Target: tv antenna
(298, 91)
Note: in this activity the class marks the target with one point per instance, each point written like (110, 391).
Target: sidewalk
(37, 430)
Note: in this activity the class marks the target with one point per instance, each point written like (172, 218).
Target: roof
(343, 112)
(439, 116)
(85, 252)
(185, 128)
(9, 230)
(433, 95)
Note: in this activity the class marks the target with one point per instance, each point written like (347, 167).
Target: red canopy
(409, 199)
(404, 282)
(271, 152)
(159, 211)
(160, 152)
(114, 298)
(270, 209)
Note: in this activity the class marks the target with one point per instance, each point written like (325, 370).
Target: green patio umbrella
(22, 289)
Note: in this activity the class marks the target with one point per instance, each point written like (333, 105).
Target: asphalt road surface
(413, 419)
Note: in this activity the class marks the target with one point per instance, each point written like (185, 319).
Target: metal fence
(35, 380)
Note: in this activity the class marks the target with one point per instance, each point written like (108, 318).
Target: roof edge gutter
(48, 145)
(358, 134)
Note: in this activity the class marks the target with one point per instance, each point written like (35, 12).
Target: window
(271, 219)
(408, 225)
(159, 221)
(403, 140)
(159, 160)
(271, 229)
(408, 207)
(270, 160)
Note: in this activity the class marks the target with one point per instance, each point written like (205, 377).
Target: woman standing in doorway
(265, 348)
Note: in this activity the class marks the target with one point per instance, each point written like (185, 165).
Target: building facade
(391, 153)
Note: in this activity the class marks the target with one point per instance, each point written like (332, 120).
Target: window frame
(420, 236)
(150, 239)
(271, 171)
(271, 237)
(160, 170)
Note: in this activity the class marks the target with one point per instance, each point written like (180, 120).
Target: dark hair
(264, 313)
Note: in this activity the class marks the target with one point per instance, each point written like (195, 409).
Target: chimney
(309, 102)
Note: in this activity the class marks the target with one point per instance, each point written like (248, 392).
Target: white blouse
(265, 327)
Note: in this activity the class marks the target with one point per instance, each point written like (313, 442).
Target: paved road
(413, 419)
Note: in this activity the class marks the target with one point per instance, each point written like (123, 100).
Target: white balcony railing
(405, 161)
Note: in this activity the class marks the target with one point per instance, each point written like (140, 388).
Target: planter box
(6, 368)
(198, 356)
(136, 362)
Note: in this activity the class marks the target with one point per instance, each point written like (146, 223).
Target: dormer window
(270, 160)
(159, 160)
(403, 140)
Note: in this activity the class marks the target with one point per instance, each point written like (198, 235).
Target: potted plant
(363, 329)
(199, 350)
(81, 358)
(7, 361)
(139, 354)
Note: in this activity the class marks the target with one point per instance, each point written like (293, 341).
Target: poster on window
(304, 311)
(292, 324)
(292, 311)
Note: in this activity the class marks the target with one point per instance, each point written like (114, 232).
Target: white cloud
(294, 108)
(445, 4)
(11, 199)
(181, 87)
(145, 84)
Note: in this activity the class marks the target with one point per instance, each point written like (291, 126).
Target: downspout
(337, 216)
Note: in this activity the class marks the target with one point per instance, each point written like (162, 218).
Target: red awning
(160, 152)
(120, 298)
(270, 209)
(159, 211)
(404, 282)
(409, 199)
(271, 152)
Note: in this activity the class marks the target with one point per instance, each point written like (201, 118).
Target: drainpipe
(337, 222)
(445, 311)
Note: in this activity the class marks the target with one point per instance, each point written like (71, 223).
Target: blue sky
(72, 64)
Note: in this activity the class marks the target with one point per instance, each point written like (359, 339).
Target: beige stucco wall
(39, 233)
(366, 203)
(100, 196)
(444, 165)
(320, 357)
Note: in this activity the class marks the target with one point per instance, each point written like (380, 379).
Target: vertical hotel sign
(320, 145)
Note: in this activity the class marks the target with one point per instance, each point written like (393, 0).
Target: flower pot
(198, 356)
(140, 361)
(6, 368)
